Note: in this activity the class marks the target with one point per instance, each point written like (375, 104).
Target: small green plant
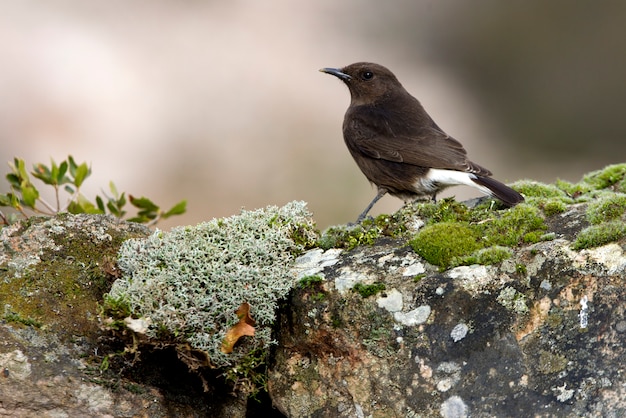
(309, 282)
(349, 237)
(367, 290)
(69, 176)
(18, 319)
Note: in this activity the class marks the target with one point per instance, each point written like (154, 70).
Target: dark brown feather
(395, 142)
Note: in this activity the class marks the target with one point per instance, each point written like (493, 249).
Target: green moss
(440, 243)
(486, 256)
(309, 282)
(597, 235)
(367, 290)
(349, 237)
(522, 223)
(418, 277)
(606, 208)
(572, 189)
(553, 207)
(551, 199)
(14, 318)
(70, 265)
(535, 189)
(446, 210)
(612, 175)
(521, 269)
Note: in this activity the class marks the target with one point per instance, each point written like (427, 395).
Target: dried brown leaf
(245, 326)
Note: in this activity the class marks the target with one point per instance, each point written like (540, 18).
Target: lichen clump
(189, 282)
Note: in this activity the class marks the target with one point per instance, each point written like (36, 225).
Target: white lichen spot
(472, 278)
(440, 291)
(459, 332)
(425, 370)
(417, 316)
(562, 393)
(454, 407)
(523, 381)
(611, 256)
(583, 315)
(413, 270)
(16, 364)
(348, 278)
(546, 285)
(97, 398)
(415, 225)
(359, 411)
(445, 384)
(382, 260)
(392, 301)
(314, 261)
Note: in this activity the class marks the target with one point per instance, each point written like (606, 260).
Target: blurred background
(221, 103)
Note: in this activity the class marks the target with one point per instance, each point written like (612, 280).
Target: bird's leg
(381, 193)
(435, 197)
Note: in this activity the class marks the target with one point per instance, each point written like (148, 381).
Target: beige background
(221, 103)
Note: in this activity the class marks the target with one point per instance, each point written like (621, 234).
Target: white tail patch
(437, 179)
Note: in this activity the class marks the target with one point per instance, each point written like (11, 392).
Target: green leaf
(5, 200)
(61, 177)
(150, 214)
(83, 205)
(44, 174)
(177, 209)
(21, 169)
(29, 195)
(82, 172)
(73, 166)
(143, 203)
(14, 180)
(15, 201)
(100, 203)
(113, 189)
(121, 202)
(115, 211)
(140, 219)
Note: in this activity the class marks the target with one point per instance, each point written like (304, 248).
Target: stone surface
(56, 359)
(540, 334)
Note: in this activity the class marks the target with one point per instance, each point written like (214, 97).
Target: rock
(437, 310)
(538, 334)
(56, 360)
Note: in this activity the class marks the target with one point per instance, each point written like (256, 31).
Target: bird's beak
(337, 73)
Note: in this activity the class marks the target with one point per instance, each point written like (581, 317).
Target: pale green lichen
(189, 282)
(513, 300)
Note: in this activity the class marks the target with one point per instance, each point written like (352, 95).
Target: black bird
(399, 147)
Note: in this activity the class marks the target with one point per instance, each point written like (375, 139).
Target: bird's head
(368, 82)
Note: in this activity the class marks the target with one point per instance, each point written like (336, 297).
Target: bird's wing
(432, 148)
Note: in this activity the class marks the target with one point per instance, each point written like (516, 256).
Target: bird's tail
(503, 192)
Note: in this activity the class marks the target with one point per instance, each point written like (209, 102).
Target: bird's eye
(367, 75)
